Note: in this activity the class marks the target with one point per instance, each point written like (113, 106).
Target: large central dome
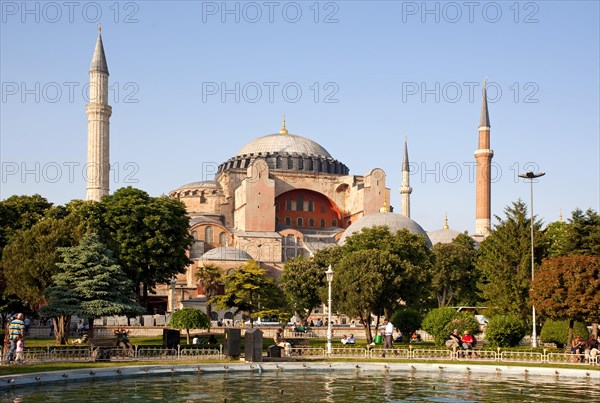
(280, 143)
(286, 152)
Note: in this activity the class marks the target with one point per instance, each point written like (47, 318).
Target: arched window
(311, 222)
(311, 205)
(278, 162)
(288, 204)
(290, 163)
(276, 220)
(288, 221)
(300, 203)
(223, 239)
(309, 164)
(300, 221)
(334, 223)
(322, 223)
(208, 234)
(300, 163)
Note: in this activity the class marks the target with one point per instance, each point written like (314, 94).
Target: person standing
(388, 335)
(16, 331)
(20, 347)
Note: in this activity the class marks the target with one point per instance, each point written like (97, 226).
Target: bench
(106, 349)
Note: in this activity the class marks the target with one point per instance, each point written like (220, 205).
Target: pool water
(315, 386)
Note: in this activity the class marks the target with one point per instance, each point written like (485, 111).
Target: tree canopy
(90, 284)
(189, 318)
(505, 262)
(250, 289)
(568, 288)
(454, 275)
(302, 281)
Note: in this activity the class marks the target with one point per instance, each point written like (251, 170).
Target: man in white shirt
(388, 334)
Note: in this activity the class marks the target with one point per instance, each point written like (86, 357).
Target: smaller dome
(444, 235)
(226, 253)
(394, 222)
(201, 185)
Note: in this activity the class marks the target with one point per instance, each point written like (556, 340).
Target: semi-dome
(394, 222)
(226, 253)
(286, 152)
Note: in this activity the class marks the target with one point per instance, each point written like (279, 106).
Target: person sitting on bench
(280, 342)
(468, 342)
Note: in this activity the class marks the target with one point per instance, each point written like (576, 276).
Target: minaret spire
(405, 189)
(98, 111)
(483, 184)
(484, 119)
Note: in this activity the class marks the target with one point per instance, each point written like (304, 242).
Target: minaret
(405, 189)
(483, 182)
(98, 111)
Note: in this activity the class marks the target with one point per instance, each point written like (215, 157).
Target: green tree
(250, 289)
(20, 213)
(210, 277)
(454, 275)
(568, 288)
(29, 260)
(436, 323)
(505, 330)
(301, 281)
(90, 285)
(557, 331)
(583, 234)
(505, 263)
(407, 320)
(17, 213)
(357, 285)
(189, 318)
(149, 236)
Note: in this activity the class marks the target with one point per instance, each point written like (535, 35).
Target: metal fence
(141, 353)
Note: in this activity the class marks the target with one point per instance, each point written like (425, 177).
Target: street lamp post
(531, 176)
(173, 283)
(329, 274)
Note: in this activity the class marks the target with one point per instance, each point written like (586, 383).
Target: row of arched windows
(209, 236)
(300, 222)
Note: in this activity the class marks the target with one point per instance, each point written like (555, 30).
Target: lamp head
(329, 274)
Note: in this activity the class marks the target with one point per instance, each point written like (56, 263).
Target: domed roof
(444, 235)
(393, 221)
(201, 185)
(226, 253)
(279, 143)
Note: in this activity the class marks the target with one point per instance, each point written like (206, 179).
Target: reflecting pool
(315, 386)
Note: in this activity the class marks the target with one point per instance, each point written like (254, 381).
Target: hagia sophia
(279, 196)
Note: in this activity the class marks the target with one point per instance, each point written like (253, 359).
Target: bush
(440, 322)
(505, 331)
(407, 320)
(189, 318)
(557, 331)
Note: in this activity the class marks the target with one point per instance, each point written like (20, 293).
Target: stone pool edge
(74, 375)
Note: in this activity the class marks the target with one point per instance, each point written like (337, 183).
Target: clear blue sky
(395, 69)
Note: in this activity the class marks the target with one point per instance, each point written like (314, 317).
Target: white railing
(158, 353)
